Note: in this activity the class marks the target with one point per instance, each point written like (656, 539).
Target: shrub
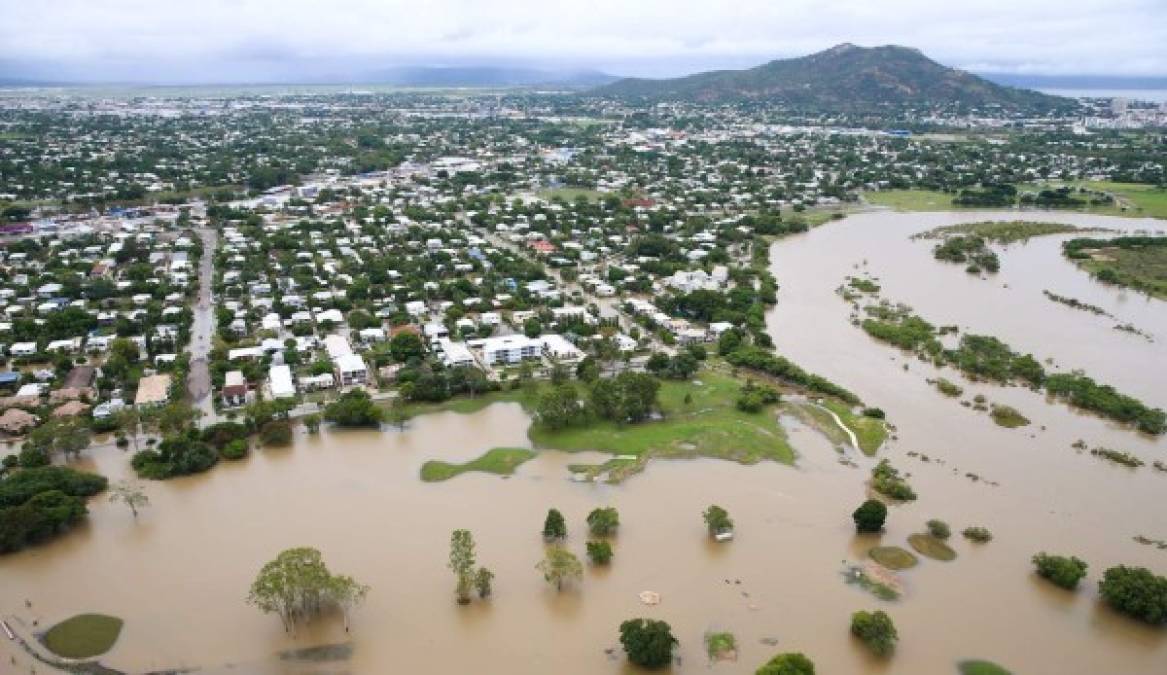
(599, 552)
(219, 435)
(647, 642)
(236, 449)
(980, 535)
(354, 409)
(604, 521)
(175, 456)
(717, 520)
(939, 529)
(31, 457)
(791, 663)
(876, 630)
(870, 516)
(886, 480)
(276, 432)
(1137, 592)
(1062, 571)
(554, 527)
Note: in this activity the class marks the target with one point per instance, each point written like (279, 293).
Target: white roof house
(280, 381)
(507, 349)
(557, 347)
(336, 346)
(456, 354)
(351, 369)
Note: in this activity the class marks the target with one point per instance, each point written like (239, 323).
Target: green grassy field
(870, 431)
(1139, 200)
(500, 461)
(709, 426)
(83, 636)
(911, 200)
(1142, 269)
(1003, 231)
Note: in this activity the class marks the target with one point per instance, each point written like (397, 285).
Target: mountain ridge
(845, 76)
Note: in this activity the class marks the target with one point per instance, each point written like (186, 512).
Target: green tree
(603, 522)
(532, 328)
(717, 520)
(129, 494)
(298, 586)
(599, 552)
(560, 566)
(559, 408)
(876, 630)
(1062, 571)
(870, 516)
(790, 663)
(354, 409)
(554, 526)
(406, 346)
(647, 642)
(482, 582)
(1137, 592)
(462, 562)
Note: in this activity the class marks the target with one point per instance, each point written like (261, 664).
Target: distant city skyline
(233, 41)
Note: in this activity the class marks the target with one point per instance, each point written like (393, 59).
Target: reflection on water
(179, 574)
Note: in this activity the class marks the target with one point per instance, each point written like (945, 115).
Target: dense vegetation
(756, 358)
(1137, 592)
(40, 502)
(986, 357)
(179, 455)
(647, 642)
(969, 249)
(1063, 571)
(876, 630)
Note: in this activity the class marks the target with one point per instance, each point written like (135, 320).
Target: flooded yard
(178, 576)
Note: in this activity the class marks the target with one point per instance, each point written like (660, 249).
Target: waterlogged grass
(977, 667)
(1138, 199)
(709, 425)
(500, 461)
(1143, 269)
(870, 432)
(931, 547)
(893, 557)
(1001, 232)
(83, 636)
(465, 405)
(1008, 417)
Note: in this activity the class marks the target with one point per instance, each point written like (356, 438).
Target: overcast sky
(255, 40)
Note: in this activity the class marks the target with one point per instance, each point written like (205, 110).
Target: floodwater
(178, 575)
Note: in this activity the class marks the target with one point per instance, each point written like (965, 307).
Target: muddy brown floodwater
(178, 576)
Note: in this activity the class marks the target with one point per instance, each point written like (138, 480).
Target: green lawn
(911, 200)
(501, 461)
(83, 636)
(870, 431)
(1142, 269)
(1139, 199)
(709, 426)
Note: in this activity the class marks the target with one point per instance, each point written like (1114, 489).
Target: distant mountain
(486, 76)
(844, 77)
(1078, 81)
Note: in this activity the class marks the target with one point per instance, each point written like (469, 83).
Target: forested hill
(844, 77)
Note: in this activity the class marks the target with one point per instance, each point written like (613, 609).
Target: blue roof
(8, 377)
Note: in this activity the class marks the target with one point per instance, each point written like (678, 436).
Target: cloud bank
(285, 40)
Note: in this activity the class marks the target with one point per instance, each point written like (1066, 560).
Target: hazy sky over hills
(302, 40)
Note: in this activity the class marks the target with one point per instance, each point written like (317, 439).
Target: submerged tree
(462, 563)
(129, 494)
(559, 566)
(482, 579)
(554, 526)
(298, 586)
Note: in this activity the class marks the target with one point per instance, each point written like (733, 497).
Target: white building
(558, 348)
(507, 349)
(351, 369)
(280, 381)
(455, 354)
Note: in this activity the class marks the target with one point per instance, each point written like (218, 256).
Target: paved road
(198, 381)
